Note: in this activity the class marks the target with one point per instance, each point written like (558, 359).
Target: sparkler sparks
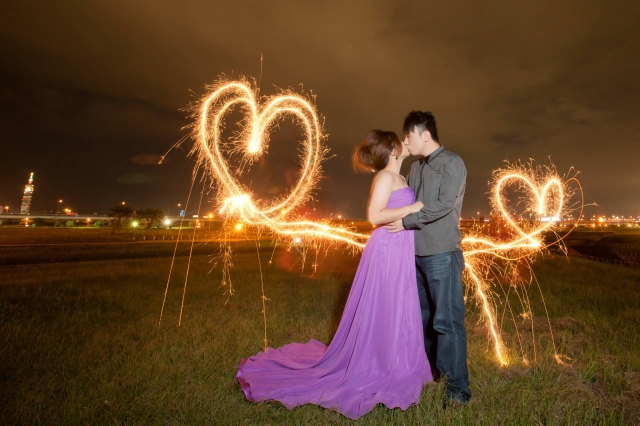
(488, 260)
(237, 200)
(548, 194)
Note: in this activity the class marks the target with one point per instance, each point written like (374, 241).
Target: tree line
(146, 217)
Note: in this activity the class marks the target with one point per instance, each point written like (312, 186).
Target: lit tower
(26, 197)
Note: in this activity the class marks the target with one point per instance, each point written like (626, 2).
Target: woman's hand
(416, 207)
(396, 225)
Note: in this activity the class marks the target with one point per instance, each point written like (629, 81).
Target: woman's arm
(378, 212)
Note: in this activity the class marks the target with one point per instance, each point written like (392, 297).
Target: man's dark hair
(419, 121)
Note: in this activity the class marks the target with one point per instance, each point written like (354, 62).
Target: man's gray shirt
(438, 181)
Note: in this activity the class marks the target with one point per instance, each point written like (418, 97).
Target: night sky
(93, 91)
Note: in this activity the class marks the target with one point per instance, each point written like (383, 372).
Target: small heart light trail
(489, 261)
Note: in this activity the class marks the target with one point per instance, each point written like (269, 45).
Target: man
(438, 180)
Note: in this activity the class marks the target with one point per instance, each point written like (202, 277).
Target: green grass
(79, 344)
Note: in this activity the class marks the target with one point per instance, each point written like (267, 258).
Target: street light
(210, 217)
(55, 220)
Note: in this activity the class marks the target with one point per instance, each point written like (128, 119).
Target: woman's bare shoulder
(384, 174)
(382, 178)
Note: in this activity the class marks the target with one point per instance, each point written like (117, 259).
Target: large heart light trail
(237, 200)
(488, 260)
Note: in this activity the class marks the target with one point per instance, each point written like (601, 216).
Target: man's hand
(395, 226)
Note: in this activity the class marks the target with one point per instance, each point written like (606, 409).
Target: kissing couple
(403, 324)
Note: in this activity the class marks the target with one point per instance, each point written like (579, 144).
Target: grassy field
(80, 344)
(18, 235)
(13, 235)
(19, 246)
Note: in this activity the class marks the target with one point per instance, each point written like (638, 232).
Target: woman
(377, 355)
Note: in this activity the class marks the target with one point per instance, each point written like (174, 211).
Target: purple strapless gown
(376, 356)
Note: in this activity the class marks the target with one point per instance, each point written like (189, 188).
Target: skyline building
(26, 196)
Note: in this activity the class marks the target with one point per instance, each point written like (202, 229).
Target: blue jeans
(442, 305)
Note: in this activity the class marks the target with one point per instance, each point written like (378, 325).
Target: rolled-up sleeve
(453, 181)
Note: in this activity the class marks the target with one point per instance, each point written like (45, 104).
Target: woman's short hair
(373, 153)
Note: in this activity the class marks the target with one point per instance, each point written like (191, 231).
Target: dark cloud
(87, 86)
(136, 178)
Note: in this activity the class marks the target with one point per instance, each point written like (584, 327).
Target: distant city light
(167, 222)
(550, 219)
(134, 224)
(238, 226)
(297, 240)
(26, 197)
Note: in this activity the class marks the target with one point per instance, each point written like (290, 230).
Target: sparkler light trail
(236, 200)
(488, 260)
(491, 260)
